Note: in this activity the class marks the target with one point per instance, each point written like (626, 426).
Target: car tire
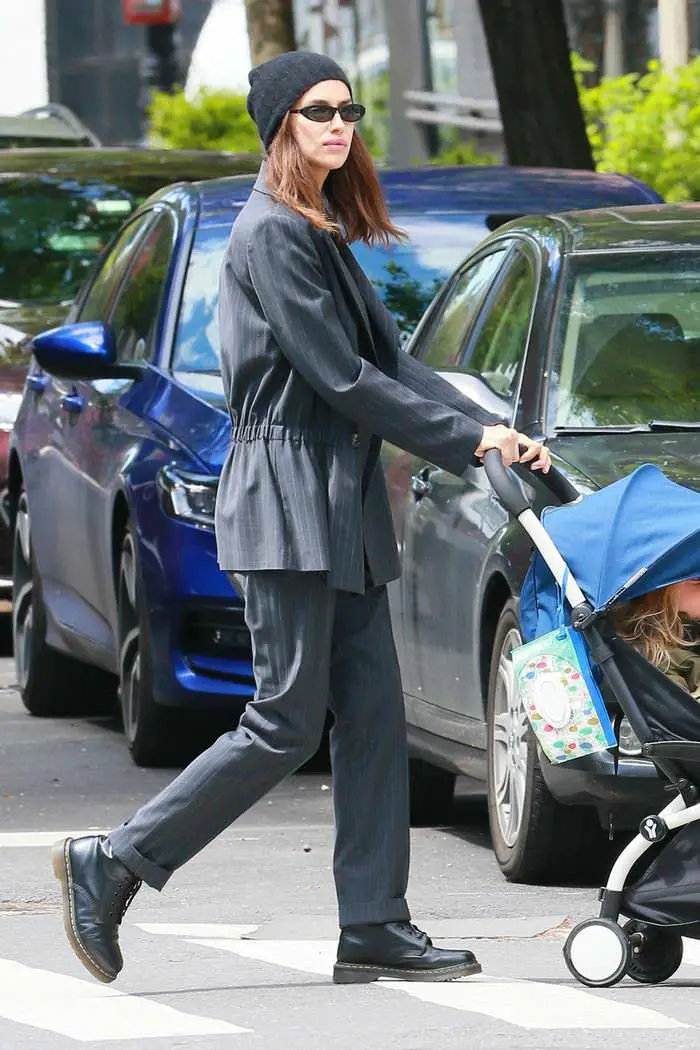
(151, 730)
(50, 682)
(534, 837)
(431, 793)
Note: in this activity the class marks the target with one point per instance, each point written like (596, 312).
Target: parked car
(44, 127)
(123, 430)
(59, 208)
(583, 329)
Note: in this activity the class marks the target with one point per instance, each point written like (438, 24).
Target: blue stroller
(628, 539)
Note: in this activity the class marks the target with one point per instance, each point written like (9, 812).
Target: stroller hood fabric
(629, 538)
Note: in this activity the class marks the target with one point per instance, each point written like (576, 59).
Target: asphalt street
(237, 951)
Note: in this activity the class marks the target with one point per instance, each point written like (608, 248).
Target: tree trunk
(542, 120)
(270, 28)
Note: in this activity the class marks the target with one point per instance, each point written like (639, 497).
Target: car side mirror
(82, 351)
(471, 385)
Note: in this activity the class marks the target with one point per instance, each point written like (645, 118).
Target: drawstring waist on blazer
(279, 432)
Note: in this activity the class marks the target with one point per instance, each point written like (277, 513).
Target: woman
(315, 378)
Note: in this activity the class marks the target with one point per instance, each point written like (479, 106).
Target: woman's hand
(536, 454)
(509, 443)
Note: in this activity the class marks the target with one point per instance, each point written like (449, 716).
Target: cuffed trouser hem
(358, 913)
(150, 873)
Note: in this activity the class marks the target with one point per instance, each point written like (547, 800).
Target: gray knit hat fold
(276, 85)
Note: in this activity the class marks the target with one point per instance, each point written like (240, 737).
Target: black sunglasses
(323, 112)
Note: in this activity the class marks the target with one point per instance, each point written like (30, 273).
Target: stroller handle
(507, 486)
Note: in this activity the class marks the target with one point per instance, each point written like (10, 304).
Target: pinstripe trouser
(313, 648)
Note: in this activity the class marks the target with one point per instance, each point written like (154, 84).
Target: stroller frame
(599, 952)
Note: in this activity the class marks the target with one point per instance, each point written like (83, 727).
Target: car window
(446, 334)
(498, 348)
(627, 342)
(408, 275)
(135, 314)
(96, 303)
(196, 347)
(52, 230)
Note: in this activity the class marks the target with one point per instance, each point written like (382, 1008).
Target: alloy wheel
(509, 744)
(23, 597)
(130, 641)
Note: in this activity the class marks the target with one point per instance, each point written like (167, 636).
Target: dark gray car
(584, 329)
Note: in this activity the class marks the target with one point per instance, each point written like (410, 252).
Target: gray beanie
(276, 85)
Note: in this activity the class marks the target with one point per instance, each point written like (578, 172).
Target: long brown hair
(652, 624)
(358, 208)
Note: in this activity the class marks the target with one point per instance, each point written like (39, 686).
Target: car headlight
(9, 407)
(186, 495)
(628, 741)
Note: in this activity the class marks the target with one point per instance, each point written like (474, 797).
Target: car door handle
(37, 382)
(421, 485)
(72, 402)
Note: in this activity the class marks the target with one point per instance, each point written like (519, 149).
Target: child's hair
(652, 624)
(359, 211)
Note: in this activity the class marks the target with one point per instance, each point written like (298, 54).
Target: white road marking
(691, 951)
(28, 839)
(198, 929)
(90, 1012)
(526, 1004)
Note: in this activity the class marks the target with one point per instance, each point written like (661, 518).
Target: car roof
(107, 162)
(659, 226)
(500, 192)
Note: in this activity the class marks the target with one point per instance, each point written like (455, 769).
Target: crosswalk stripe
(89, 1012)
(28, 839)
(198, 929)
(526, 1004)
(691, 951)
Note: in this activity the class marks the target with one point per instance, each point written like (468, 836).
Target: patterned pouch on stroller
(560, 695)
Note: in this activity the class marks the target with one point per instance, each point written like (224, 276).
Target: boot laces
(417, 933)
(123, 896)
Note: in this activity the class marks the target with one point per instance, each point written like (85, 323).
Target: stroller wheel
(657, 952)
(597, 953)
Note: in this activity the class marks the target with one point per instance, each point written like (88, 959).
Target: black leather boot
(399, 950)
(97, 889)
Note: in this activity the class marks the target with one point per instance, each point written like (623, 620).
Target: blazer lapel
(332, 254)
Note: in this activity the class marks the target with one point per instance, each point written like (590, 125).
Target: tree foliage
(647, 125)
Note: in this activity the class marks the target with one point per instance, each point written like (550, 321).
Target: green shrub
(463, 152)
(212, 120)
(647, 125)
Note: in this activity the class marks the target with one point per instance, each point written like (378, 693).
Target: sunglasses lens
(352, 113)
(319, 113)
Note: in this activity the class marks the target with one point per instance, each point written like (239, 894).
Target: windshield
(406, 277)
(51, 231)
(628, 341)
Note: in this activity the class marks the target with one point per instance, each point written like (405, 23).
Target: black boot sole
(365, 973)
(60, 861)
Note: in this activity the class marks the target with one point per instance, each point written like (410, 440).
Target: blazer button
(355, 440)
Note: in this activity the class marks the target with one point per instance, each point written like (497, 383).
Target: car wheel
(431, 792)
(534, 837)
(50, 682)
(150, 729)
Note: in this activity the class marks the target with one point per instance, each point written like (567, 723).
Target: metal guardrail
(433, 107)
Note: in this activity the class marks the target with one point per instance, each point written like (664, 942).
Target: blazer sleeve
(424, 380)
(288, 279)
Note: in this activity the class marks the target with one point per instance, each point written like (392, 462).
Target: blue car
(123, 429)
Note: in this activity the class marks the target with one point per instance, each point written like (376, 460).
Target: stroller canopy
(629, 538)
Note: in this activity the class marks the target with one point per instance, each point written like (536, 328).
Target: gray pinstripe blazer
(315, 378)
